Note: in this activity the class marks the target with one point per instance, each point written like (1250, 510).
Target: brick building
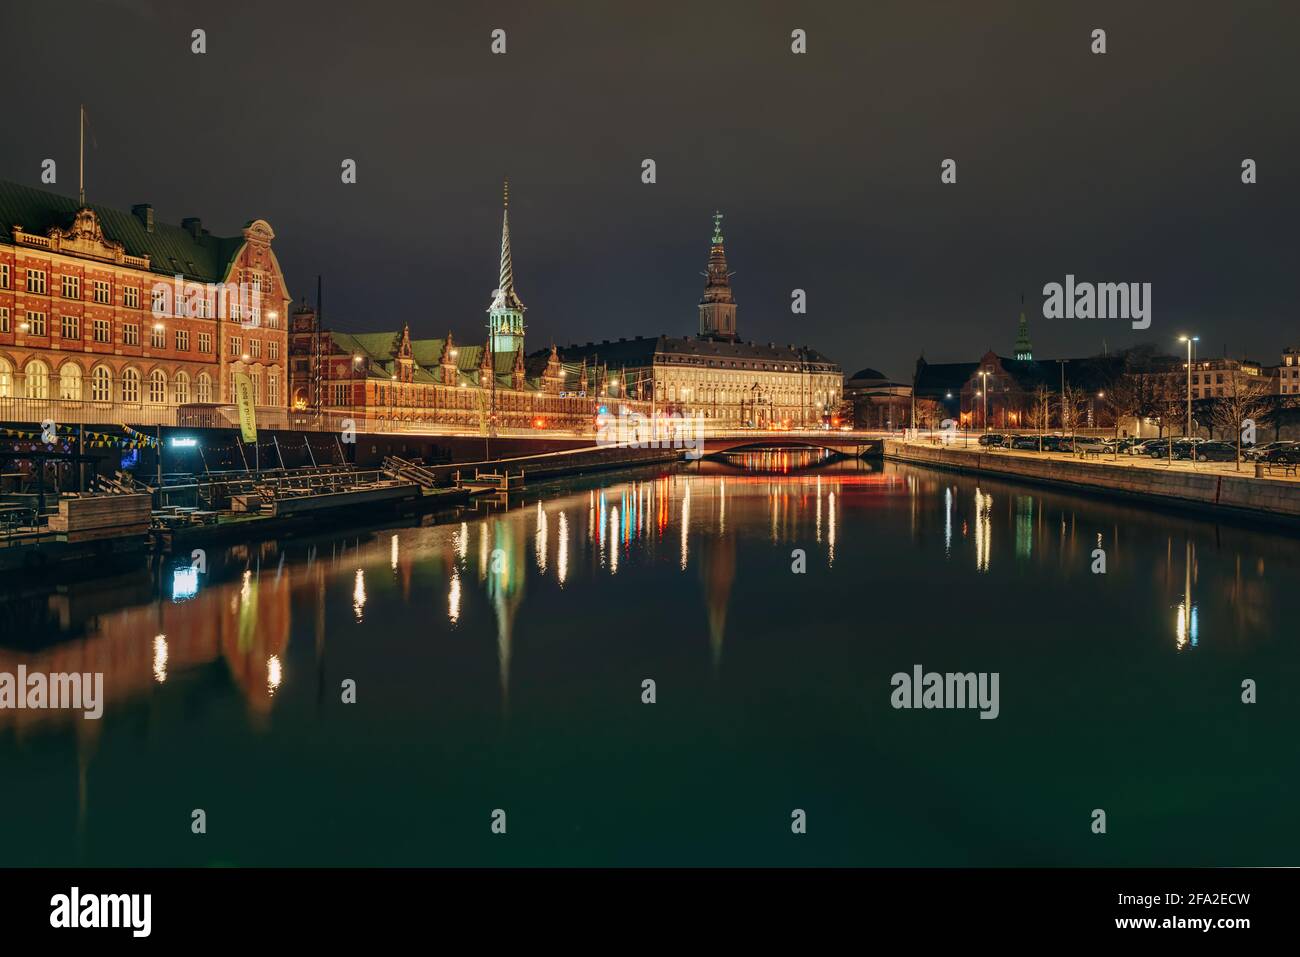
(391, 379)
(112, 316)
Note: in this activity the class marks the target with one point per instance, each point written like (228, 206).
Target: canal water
(500, 657)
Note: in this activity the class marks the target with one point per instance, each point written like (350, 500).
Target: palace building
(390, 378)
(715, 375)
(110, 316)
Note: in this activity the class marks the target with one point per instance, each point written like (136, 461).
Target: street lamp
(985, 394)
(1189, 340)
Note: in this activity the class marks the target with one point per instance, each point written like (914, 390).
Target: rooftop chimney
(193, 226)
(144, 213)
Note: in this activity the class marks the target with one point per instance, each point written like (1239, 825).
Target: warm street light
(984, 394)
(1189, 340)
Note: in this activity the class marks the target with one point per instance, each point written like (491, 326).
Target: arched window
(101, 384)
(181, 388)
(38, 380)
(130, 385)
(70, 382)
(203, 387)
(6, 379)
(157, 387)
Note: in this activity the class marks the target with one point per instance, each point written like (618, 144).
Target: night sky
(1123, 167)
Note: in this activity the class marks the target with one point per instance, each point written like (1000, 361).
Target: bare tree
(1245, 399)
(1042, 404)
(1123, 398)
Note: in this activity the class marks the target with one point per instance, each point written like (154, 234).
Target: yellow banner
(244, 401)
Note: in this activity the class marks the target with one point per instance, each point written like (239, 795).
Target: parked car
(1087, 443)
(1257, 452)
(1121, 446)
(1182, 448)
(1282, 453)
(1144, 446)
(1056, 443)
(1216, 452)
(1025, 442)
(994, 439)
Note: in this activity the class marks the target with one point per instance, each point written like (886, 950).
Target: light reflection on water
(638, 574)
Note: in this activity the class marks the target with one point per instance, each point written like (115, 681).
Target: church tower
(506, 313)
(1024, 348)
(718, 307)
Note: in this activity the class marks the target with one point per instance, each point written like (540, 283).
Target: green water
(499, 659)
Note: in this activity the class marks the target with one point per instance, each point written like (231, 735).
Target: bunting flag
(91, 440)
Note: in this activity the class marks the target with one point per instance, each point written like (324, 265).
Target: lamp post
(1189, 340)
(1192, 452)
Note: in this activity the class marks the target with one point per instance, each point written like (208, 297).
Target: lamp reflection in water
(947, 520)
(830, 529)
(359, 594)
(540, 538)
(562, 559)
(819, 510)
(686, 524)
(453, 596)
(613, 540)
(274, 674)
(983, 529)
(392, 557)
(160, 658)
(1186, 630)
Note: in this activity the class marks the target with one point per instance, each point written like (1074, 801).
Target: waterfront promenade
(1213, 486)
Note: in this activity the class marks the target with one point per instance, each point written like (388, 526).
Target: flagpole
(81, 155)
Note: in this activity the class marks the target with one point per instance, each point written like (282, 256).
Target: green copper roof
(170, 249)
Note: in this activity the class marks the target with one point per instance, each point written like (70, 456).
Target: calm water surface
(499, 656)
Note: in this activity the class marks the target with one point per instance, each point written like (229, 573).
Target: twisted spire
(506, 298)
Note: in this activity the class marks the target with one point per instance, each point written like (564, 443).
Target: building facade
(389, 379)
(715, 375)
(108, 316)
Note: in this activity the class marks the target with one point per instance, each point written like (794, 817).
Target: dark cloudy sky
(1122, 167)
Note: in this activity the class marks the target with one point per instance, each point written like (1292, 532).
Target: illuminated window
(130, 385)
(70, 382)
(38, 380)
(71, 287)
(101, 384)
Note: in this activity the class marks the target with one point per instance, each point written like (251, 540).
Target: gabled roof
(171, 249)
(641, 351)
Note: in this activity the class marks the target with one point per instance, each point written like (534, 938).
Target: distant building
(110, 316)
(1024, 348)
(1006, 393)
(716, 375)
(877, 402)
(390, 377)
(1213, 378)
(1287, 376)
